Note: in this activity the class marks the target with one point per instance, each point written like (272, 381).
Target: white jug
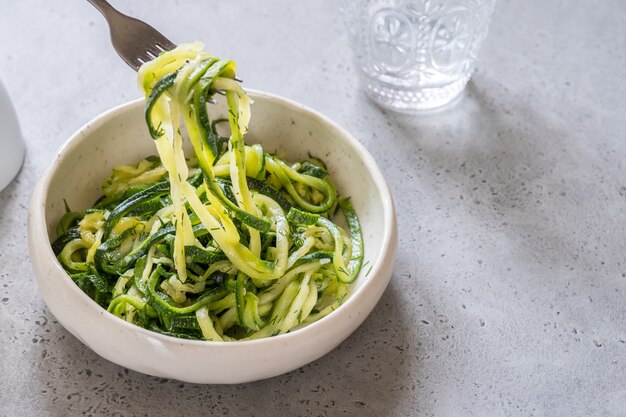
(11, 144)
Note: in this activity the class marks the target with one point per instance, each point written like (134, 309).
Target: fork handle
(104, 7)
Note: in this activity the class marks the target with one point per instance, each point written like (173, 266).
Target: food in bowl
(234, 244)
(119, 136)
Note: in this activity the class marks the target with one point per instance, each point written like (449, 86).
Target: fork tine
(134, 62)
(154, 50)
(151, 54)
(165, 44)
(160, 48)
(143, 58)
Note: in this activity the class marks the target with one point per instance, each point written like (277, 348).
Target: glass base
(414, 100)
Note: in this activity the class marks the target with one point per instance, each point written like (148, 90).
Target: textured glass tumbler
(416, 55)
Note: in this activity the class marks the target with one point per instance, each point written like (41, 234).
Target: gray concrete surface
(509, 288)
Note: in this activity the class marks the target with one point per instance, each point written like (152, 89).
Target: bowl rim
(389, 240)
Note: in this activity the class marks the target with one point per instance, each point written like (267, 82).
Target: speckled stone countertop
(508, 297)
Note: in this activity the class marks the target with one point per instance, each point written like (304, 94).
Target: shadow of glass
(511, 169)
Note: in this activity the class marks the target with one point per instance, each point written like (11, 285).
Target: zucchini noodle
(231, 244)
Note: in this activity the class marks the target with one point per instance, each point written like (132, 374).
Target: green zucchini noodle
(230, 244)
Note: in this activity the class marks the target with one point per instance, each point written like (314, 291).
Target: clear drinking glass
(416, 54)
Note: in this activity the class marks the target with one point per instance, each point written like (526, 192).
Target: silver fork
(135, 41)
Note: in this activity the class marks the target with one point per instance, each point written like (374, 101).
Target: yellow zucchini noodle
(230, 243)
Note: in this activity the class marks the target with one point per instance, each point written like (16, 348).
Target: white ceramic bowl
(120, 136)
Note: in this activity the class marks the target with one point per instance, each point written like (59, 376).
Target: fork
(135, 41)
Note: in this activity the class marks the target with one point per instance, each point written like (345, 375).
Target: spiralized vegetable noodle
(231, 244)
